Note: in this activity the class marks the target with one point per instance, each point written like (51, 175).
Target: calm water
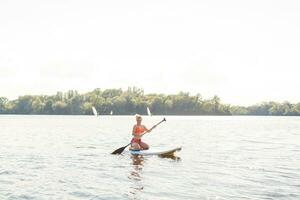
(68, 157)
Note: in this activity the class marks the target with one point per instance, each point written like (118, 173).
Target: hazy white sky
(243, 51)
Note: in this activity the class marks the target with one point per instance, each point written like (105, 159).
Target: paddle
(120, 150)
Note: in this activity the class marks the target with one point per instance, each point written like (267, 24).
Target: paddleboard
(149, 152)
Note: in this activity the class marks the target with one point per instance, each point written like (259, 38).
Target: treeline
(268, 108)
(133, 101)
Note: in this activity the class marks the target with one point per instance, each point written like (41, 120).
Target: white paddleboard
(169, 152)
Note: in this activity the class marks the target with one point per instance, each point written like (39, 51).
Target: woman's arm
(133, 131)
(148, 130)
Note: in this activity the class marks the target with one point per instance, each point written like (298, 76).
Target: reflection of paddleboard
(156, 152)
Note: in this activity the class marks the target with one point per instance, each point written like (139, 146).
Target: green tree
(3, 102)
(37, 106)
(60, 108)
(24, 105)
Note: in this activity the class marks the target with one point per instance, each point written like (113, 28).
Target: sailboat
(111, 112)
(148, 111)
(95, 111)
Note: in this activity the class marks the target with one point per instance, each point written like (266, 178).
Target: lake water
(68, 157)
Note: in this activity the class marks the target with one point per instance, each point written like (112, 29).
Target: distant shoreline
(133, 100)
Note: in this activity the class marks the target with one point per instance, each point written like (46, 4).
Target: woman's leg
(144, 146)
(135, 146)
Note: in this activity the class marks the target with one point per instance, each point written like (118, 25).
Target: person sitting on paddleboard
(138, 131)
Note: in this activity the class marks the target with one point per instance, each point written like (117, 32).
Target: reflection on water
(173, 157)
(137, 160)
(136, 177)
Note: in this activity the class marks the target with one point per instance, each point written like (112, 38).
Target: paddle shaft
(154, 126)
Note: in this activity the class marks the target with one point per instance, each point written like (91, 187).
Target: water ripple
(68, 157)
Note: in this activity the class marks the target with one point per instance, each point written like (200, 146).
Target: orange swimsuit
(139, 130)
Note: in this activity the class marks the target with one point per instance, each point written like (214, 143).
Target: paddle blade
(119, 150)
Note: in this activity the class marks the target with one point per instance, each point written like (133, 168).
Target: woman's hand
(153, 127)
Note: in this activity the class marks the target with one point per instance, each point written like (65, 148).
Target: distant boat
(111, 112)
(148, 111)
(95, 111)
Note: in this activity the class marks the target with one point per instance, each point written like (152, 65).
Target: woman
(138, 131)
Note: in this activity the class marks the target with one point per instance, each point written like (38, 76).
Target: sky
(245, 52)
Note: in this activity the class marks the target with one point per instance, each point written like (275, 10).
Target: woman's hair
(138, 116)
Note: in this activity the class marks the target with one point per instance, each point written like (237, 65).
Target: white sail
(95, 111)
(148, 111)
(111, 112)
